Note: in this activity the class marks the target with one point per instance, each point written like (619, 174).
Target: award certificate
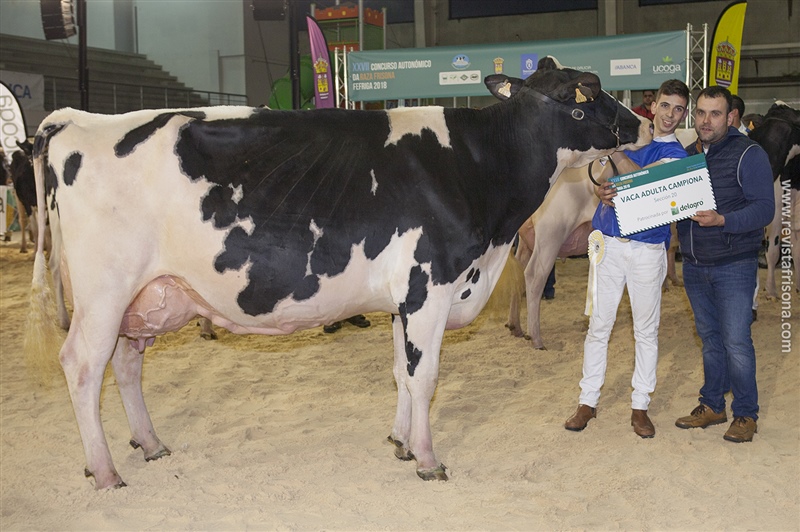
(662, 194)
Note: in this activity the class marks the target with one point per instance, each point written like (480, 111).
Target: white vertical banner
(12, 123)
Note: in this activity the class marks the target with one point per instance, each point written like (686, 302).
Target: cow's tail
(43, 336)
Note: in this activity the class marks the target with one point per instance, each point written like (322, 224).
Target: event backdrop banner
(726, 47)
(12, 123)
(636, 62)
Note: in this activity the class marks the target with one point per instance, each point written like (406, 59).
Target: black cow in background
(21, 171)
(779, 135)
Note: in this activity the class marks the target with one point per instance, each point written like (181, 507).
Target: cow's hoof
(208, 336)
(436, 473)
(400, 451)
(111, 486)
(161, 453)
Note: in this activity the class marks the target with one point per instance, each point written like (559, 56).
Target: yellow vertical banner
(726, 47)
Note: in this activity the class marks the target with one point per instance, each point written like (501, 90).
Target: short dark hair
(738, 104)
(715, 91)
(674, 87)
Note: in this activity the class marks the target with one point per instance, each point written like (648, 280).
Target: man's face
(647, 98)
(669, 111)
(711, 119)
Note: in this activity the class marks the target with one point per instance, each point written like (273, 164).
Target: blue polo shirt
(661, 149)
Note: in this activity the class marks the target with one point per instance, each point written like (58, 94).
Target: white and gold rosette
(597, 249)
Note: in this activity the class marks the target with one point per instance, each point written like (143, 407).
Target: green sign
(635, 62)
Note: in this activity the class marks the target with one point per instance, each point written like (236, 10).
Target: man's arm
(755, 177)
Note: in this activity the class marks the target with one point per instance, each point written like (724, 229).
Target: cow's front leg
(127, 364)
(84, 363)
(418, 338)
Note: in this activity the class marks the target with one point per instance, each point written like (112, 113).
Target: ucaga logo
(667, 67)
(460, 62)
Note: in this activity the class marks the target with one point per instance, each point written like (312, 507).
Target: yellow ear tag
(579, 97)
(505, 90)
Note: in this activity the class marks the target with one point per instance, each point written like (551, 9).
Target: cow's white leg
(774, 243)
(23, 224)
(417, 370)
(57, 268)
(84, 357)
(127, 364)
(402, 420)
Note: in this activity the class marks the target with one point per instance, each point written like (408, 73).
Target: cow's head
(583, 119)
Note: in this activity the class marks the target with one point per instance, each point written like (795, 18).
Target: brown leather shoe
(641, 424)
(702, 416)
(741, 430)
(580, 418)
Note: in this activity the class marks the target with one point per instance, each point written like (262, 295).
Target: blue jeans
(721, 299)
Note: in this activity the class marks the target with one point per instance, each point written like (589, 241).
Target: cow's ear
(548, 62)
(584, 88)
(502, 86)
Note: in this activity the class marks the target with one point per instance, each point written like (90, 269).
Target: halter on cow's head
(571, 91)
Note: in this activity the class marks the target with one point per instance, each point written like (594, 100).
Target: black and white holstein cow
(272, 221)
(779, 135)
(21, 171)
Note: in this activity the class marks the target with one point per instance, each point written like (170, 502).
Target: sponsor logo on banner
(461, 62)
(725, 64)
(498, 65)
(528, 64)
(667, 67)
(626, 67)
(466, 77)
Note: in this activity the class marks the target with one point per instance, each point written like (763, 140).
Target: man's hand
(709, 218)
(606, 193)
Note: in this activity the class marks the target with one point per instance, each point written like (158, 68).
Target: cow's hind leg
(416, 371)
(402, 421)
(84, 358)
(127, 364)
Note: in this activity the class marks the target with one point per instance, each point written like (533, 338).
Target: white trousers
(642, 268)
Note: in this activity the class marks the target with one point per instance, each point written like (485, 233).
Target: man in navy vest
(720, 264)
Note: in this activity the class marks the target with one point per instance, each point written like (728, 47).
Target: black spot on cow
(295, 169)
(50, 185)
(138, 135)
(413, 354)
(471, 273)
(216, 205)
(466, 293)
(476, 277)
(71, 166)
(417, 290)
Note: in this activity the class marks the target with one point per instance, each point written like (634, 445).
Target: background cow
(21, 172)
(779, 135)
(271, 221)
(560, 227)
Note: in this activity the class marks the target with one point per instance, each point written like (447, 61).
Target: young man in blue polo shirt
(638, 261)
